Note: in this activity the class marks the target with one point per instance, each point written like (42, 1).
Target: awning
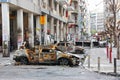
(72, 25)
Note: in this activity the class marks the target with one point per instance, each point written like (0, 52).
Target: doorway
(13, 28)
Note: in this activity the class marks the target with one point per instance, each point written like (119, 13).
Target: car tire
(63, 61)
(24, 60)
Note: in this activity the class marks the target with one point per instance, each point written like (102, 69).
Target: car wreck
(47, 55)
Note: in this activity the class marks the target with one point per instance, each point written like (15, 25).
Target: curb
(109, 73)
(104, 73)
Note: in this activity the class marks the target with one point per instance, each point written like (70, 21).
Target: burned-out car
(45, 55)
(70, 47)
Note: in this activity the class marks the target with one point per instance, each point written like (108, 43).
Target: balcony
(71, 20)
(75, 0)
(70, 8)
(74, 12)
(63, 2)
(55, 14)
(57, 1)
(73, 25)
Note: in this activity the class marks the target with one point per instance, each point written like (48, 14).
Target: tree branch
(118, 7)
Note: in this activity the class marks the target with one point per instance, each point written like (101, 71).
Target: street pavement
(105, 66)
(91, 62)
(8, 71)
(4, 61)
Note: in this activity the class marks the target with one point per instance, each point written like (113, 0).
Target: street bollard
(110, 55)
(98, 64)
(115, 66)
(88, 61)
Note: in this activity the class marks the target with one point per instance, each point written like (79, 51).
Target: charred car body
(45, 55)
(70, 47)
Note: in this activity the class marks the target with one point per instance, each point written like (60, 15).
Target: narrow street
(51, 72)
(31, 27)
(38, 72)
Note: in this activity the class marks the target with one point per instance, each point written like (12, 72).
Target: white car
(102, 43)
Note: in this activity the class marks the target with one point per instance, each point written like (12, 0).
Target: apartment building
(78, 16)
(26, 20)
(97, 22)
(20, 21)
(17, 19)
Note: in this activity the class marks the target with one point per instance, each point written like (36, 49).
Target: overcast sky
(95, 5)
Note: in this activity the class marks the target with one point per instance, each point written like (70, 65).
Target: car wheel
(63, 61)
(24, 60)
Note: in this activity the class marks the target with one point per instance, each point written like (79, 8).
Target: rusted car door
(33, 55)
(47, 55)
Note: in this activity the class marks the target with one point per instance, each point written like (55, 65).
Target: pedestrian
(23, 46)
(42, 36)
(37, 42)
(27, 45)
(48, 39)
(98, 38)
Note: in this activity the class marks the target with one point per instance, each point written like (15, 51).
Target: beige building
(22, 20)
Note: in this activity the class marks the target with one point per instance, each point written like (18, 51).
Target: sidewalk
(4, 61)
(105, 66)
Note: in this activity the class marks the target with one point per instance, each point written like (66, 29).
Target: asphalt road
(51, 72)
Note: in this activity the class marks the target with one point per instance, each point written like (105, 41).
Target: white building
(78, 16)
(97, 22)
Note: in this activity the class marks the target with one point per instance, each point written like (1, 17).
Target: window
(46, 50)
(61, 44)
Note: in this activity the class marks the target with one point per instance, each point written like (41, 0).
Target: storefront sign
(42, 19)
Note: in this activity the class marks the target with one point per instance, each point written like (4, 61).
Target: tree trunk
(114, 29)
(118, 47)
(115, 40)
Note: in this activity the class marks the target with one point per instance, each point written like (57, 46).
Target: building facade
(78, 16)
(40, 19)
(18, 21)
(97, 22)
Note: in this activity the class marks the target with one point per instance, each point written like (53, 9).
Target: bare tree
(112, 23)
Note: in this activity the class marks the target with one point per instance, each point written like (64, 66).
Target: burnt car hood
(73, 54)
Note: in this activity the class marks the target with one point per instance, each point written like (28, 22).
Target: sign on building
(42, 20)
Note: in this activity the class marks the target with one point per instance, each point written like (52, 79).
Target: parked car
(47, 55)
(102, 43)
(70, 47)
